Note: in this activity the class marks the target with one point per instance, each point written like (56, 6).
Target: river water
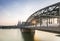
(17, 35)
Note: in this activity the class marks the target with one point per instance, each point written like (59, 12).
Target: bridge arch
(49, 15)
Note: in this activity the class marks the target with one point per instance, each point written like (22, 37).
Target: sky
(12, 11)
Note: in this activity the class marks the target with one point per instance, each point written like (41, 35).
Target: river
(17, 35)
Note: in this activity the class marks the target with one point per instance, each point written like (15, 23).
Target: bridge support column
(47, 22)
(40, 21)
(59, 15)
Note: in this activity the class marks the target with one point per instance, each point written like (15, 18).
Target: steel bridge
(47, 18)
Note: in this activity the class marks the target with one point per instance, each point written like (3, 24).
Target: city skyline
(12, 11)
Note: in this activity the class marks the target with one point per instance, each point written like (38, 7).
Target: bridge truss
(50, 15)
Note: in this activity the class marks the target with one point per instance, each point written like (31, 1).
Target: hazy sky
(12, 11)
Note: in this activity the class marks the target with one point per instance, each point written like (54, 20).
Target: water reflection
(17, 35)
(28, 36)
(58, 35)
(10, 35)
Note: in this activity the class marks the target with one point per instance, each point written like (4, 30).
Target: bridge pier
(27, 30)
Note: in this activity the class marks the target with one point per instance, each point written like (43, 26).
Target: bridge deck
(53, 29)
